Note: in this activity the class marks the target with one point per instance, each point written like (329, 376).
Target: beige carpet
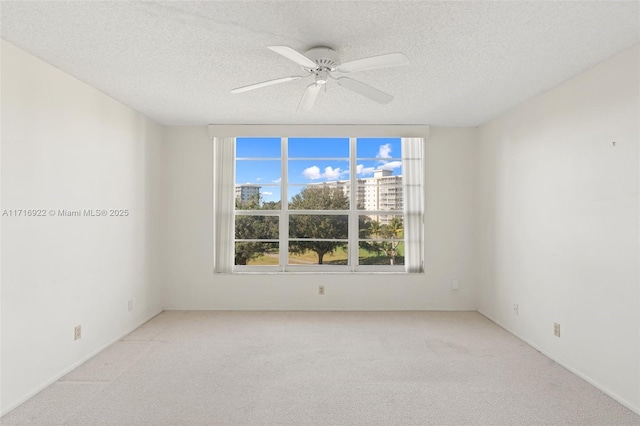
(320, 368)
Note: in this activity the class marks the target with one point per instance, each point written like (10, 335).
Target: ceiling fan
(321, 63)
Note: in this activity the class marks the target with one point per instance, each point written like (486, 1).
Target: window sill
(319, 273)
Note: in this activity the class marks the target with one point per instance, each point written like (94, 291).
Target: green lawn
(339, 257)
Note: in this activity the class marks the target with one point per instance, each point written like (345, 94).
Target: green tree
(255, 227)
(313, 226)
(254, 203)
(392, 231)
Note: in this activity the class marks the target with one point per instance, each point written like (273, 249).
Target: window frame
(222, 134)
(353, 213)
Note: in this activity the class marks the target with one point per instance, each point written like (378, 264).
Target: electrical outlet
(77, 332)
(321, 290)
(515, 308)
(556, 329)
(130, 305)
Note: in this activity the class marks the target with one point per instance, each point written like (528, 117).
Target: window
(332, 204)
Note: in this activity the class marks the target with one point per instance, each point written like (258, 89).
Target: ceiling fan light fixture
(322, 76)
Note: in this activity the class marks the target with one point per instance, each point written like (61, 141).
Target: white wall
(551, 205)
(558, 224)
(67, 146)
(190, 283)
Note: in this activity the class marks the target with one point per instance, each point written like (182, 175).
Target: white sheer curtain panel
(223, 203)
(413, 201)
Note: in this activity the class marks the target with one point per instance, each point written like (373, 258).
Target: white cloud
(277, 180)
(362, 170)
(312, 172)
(329, 172)
(267, 193)
(391, 165)
(384, 151)
(258, 179)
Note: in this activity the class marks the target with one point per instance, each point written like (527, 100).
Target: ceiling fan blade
(294, 56)
(264, 84)
(365, 90)
(309, 97)
(383, 61)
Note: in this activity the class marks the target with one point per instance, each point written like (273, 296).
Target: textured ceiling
(177, 61)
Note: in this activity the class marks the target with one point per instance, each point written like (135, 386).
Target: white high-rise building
(247, 192)
(383, 191)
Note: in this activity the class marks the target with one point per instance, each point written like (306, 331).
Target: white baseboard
(55, 378)
(317, 309)
(584, 377)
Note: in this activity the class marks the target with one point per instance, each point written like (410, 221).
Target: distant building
(247, 192)
(383, 191)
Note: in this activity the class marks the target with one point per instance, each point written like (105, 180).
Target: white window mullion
(323, 212)
(353, 210)
(284, 205)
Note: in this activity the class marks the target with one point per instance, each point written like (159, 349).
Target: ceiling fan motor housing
(325, 57)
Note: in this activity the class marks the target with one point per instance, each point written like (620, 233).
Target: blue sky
(312, 165)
